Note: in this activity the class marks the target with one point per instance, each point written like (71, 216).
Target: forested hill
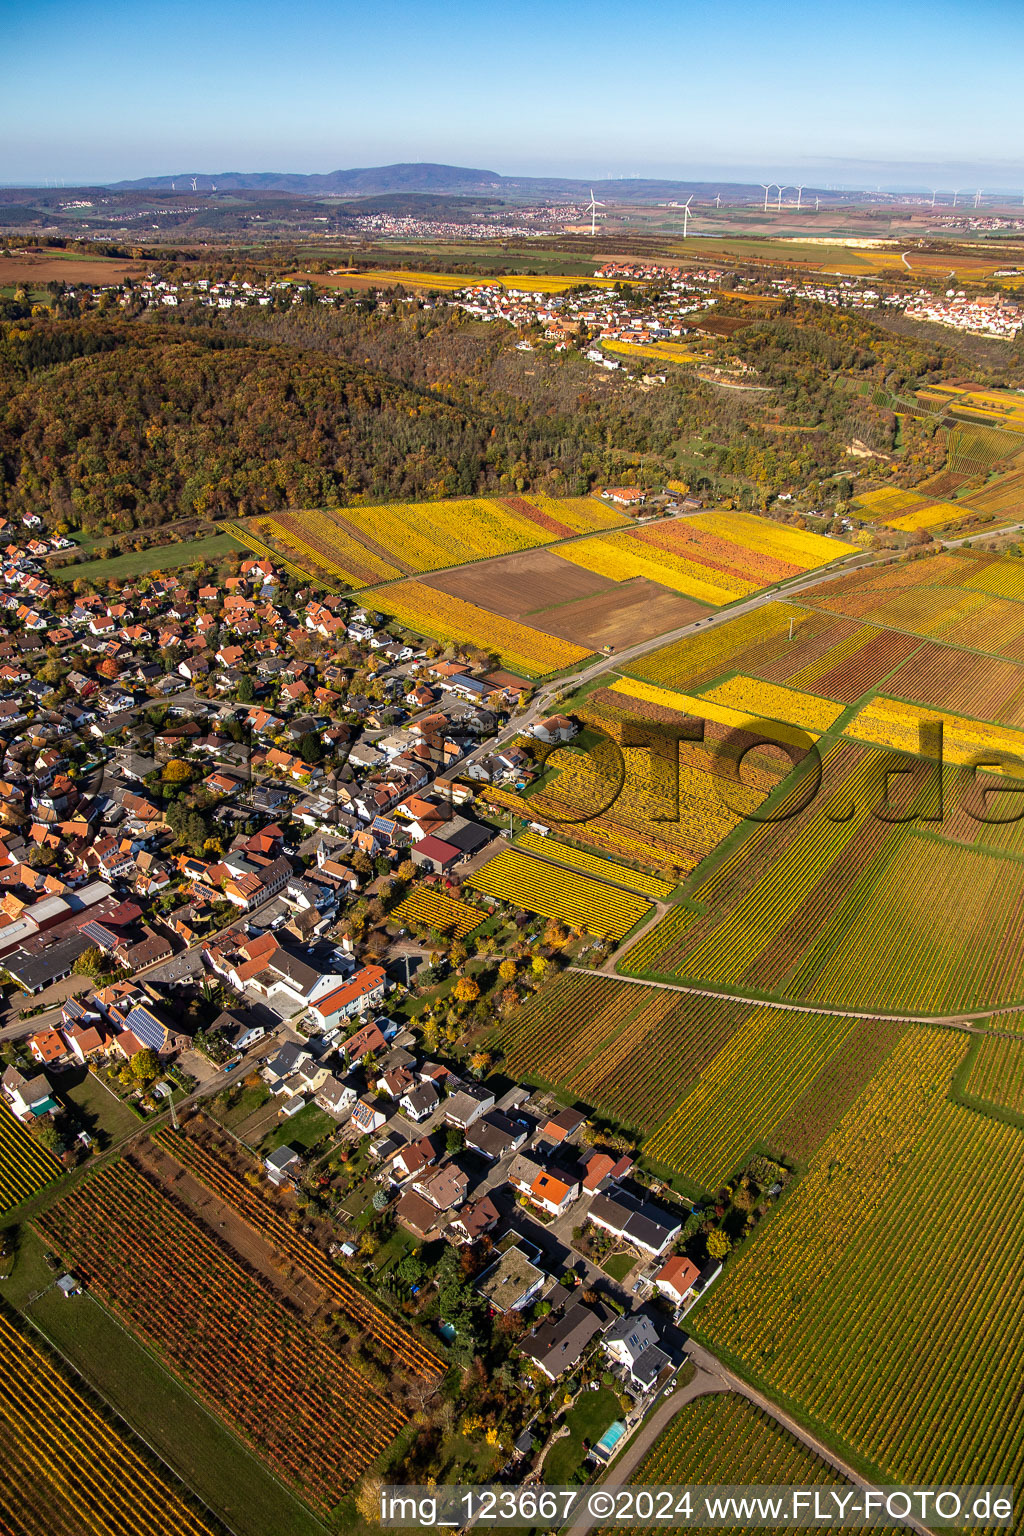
(111, 422)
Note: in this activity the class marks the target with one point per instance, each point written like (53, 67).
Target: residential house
(558, 1343)
(494, 1135)
(473, 1220)
(676, 1279)
(467, 1105)
(511, 1284)
(29, 1097)
(336, 1097)
(553, 1194)
(446, 1187)
(420, 1102)
(282, 1166)
(632, 1342)
(645, 1226)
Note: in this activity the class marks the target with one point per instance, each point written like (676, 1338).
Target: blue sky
(839, 92)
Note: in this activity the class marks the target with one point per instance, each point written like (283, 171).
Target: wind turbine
(817, 204)
(799, 197)
(956, 194)
(766, 190)
(718, 199)
(686, 214)
(934, 196)
(779, 204)
(592, 208)
(173, 187)
(193, 184)
(977, 197)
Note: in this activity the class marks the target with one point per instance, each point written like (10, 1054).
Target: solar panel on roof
(147, 1028)
(100, 936)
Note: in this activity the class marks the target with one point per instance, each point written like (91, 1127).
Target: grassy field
(192, 1442)
(169, 557)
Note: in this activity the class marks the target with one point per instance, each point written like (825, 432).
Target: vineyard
(25, 1166)
(316, 542)
(841, 907)
(753, 1081)
(893, 723)
(298, 1250)
(629, 1051)
(723, 1440)
(314, 1418)
(715, 557)
(452, 620)
(822, 656)
(429, 535)
(592, 864)
(907, 510)
(769, 701)
(435, 910)
(67, 1472)
(582, 903)
(995, 1073)
(642, 805)
(984, 687)
(881, 1301)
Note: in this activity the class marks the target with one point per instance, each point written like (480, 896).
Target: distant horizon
(876, 178)
(858, 92)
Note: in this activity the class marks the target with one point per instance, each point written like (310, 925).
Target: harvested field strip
(313, 1418)
(582, 903)
(25, 1165)
(592, 864)
(67, 1472)
(278, 1231)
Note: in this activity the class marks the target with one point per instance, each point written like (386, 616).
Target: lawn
(201, 1450)
(241, 1103)
(169, 557)
(304, 1131)
(590, 1416)
(619, 1265)
(107, 1118)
